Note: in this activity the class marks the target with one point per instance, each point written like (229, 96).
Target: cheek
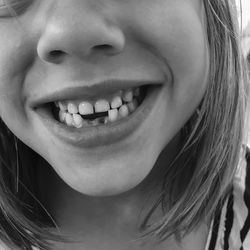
(174, 31)
(15, 60)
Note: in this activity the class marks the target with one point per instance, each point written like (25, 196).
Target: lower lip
(103, 134)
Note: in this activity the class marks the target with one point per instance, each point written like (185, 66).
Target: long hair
(210, 153)
(199, 180)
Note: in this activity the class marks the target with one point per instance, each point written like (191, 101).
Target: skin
(160, 40)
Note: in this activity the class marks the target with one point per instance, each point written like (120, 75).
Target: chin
(107, 179)
(104, 188)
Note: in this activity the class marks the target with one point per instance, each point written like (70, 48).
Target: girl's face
(87, 53)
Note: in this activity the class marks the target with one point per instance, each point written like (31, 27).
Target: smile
(80, 113)
(82, 119)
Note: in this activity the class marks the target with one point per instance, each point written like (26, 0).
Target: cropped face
(99, 87)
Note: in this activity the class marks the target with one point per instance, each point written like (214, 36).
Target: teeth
(132, 105)
(128, 96)
(102, 106)
(123, 111)
(86, 108)
(62, 106)
(69, 119)
(72, 108)
(113, 115)
(62, 116)
(116, 102)
(122, 104)
(78, 121)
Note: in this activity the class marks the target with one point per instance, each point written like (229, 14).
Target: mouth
(84, 113)
(99, 121)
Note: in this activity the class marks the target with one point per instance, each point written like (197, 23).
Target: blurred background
(245, 10)
(244, 20)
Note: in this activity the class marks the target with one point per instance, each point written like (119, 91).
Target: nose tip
(62, 38)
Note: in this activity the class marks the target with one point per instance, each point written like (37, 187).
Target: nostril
(55, 56)
(55, 53)
(104, 48)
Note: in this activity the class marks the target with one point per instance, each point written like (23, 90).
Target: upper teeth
(116, 102)
(101, 105)
(86, 108)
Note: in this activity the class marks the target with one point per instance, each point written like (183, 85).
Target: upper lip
(87, 91)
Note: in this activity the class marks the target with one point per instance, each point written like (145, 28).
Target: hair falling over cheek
(213, 140)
